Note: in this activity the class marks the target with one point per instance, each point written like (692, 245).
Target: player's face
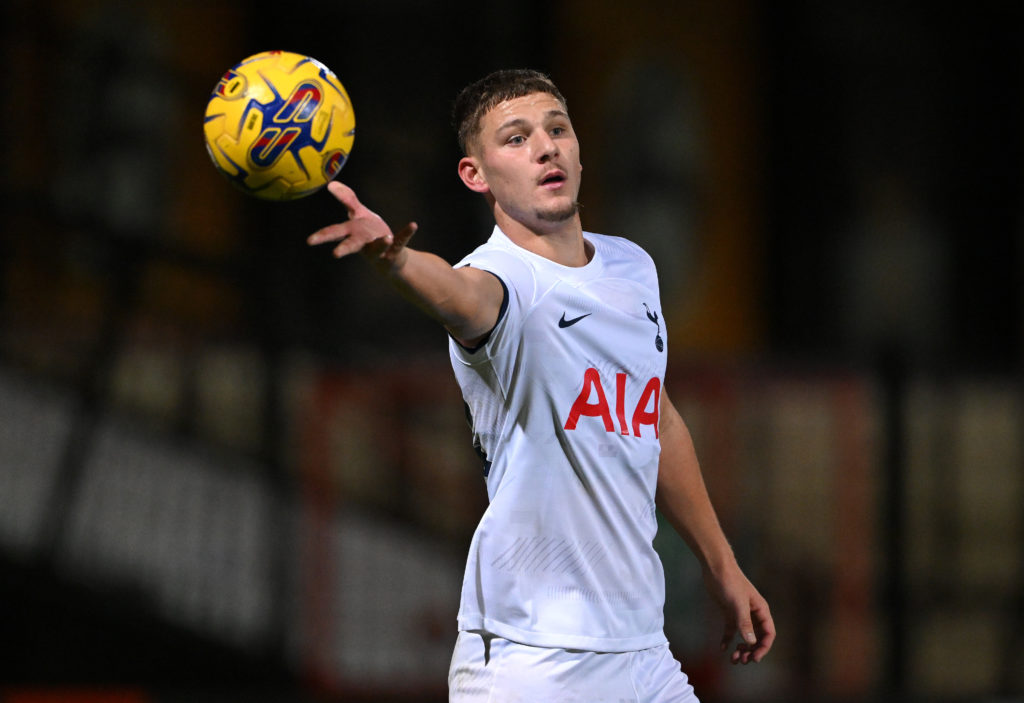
(527, 157)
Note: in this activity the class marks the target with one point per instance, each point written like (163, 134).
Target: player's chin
(559, 213)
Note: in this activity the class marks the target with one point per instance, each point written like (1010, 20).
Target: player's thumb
(344, 195)
(745, 627)
(403, 235)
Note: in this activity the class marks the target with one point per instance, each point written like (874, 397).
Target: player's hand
(364, 232)
(746, 614)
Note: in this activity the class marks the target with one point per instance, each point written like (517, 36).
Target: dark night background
(233, 468)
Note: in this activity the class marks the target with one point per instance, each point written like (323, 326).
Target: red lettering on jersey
(647, 411)
(650, 397)
(582, 406)
(620, 401)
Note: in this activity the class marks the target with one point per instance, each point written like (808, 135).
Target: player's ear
(472, 176)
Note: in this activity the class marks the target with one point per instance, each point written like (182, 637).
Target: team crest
(659, 343)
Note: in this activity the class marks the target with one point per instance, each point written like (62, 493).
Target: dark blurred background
(233, 468)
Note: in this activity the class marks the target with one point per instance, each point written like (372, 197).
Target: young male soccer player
(557, 339)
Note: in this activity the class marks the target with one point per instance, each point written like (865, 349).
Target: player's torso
(582, 361)
(589, 361)
(571, 519)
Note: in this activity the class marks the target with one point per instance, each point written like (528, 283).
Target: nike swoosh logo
(563, 323)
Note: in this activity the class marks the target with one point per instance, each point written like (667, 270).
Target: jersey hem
(561, 640)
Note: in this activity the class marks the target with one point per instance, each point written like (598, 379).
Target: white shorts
(489, 669)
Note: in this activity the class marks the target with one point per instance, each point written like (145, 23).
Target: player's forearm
(683, 499)
(445, 294)
(689, 511)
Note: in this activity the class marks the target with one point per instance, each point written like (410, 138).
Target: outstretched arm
(466, 301)
(683, 500)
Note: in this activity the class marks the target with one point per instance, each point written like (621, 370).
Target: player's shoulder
(618, 248)
(496, 256)
(491, 251)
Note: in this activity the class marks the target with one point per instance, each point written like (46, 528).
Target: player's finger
(757, 654)
(377, 248)
(330, 233)
(766, 626)
(348, 246)
(739, 623)
(728, 633)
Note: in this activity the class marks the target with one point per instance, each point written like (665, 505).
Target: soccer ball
(279, 125)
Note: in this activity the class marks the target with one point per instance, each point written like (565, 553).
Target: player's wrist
(720, 564)
(393, 265)
(388, 263)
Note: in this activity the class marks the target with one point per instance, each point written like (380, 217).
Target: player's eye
(515, 140)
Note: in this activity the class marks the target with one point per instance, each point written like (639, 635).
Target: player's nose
(546, 147)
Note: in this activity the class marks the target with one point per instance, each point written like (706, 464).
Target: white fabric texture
(564, 401)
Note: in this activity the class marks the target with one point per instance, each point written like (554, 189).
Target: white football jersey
(563, 399)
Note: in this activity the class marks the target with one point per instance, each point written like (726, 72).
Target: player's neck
(560, 242)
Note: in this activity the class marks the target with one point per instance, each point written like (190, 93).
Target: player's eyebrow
(522, 122)
(514, 122)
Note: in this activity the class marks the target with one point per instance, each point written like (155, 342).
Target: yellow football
(279, 125)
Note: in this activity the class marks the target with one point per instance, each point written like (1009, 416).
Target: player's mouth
(553, 179)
